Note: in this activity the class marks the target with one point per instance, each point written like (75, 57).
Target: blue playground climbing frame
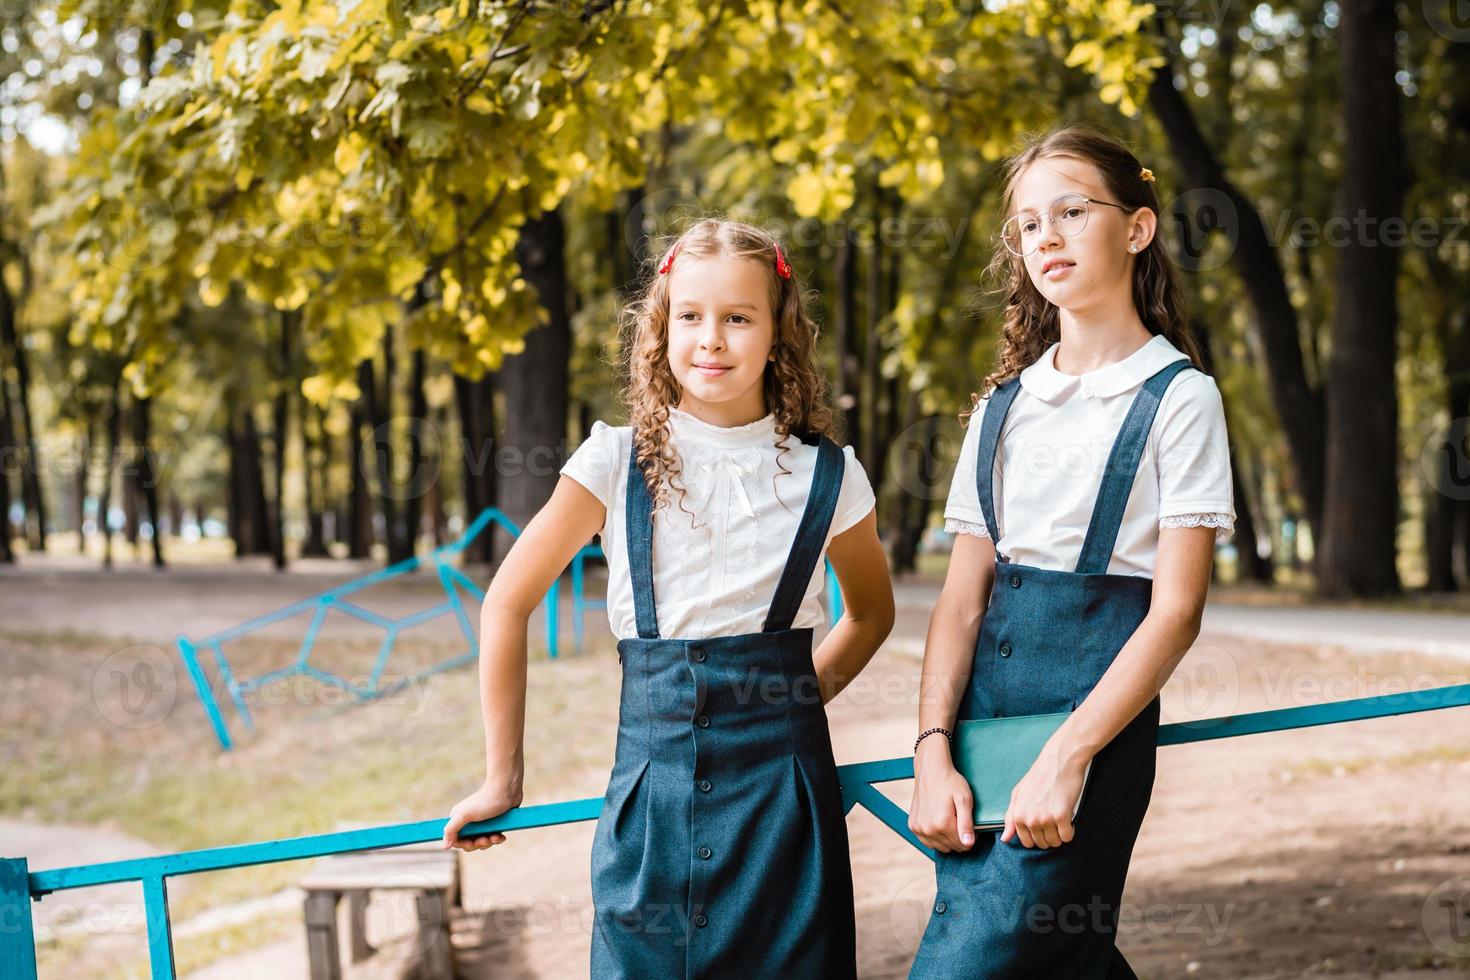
(453, 582)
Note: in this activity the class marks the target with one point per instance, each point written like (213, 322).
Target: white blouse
(715, 572)
(1054, 447)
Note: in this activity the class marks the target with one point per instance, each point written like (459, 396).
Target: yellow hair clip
(1146, 174)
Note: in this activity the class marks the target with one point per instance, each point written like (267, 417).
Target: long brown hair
(794, 386)
(1030, 323)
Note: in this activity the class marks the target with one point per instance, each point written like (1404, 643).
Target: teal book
(994, 754)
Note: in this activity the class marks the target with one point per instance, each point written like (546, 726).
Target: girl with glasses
(1087, 504)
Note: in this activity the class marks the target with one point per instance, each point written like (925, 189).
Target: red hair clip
(783, 268)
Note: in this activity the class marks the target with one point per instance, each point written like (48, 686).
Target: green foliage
(338, 157)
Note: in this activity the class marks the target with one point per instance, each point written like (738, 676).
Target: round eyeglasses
(1021, 232)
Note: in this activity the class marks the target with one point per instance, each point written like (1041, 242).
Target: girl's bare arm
(940, 814)
(954, 626)
(867, 597)
(558, 531)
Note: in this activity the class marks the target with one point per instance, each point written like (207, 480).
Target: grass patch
(313, 763)
(1447, 753)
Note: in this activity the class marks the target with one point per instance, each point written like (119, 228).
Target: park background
(290, 293)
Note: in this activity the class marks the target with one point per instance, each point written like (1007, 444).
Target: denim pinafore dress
(1006, 910)
(721, 848)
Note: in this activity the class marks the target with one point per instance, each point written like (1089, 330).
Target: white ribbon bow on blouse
(734, 466)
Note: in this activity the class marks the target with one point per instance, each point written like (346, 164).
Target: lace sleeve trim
(1224, 523)
(955, 526)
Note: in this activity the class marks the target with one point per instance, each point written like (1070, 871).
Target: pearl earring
(1132, 248)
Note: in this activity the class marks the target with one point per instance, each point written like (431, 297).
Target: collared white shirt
(718, 554)
(1055, 445)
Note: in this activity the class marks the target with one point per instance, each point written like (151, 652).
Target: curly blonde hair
(795, 386)
(1030, 323)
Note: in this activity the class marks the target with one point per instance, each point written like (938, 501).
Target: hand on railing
(490, 800)
(941, 813)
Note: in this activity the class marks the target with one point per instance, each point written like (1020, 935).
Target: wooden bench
(427, 870)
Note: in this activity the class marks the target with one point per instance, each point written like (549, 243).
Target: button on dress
(1004, 910)
(721, 848)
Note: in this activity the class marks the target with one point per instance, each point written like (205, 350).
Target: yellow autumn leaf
(451, 294)
(317, 389)
(212, 291)
(806, 191)
(349, 152)
(1083, 53)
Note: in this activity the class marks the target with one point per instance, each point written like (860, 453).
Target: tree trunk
(146, 475)
(30, 460)
(873, 355)
(419, 454)
(114, 437)
(912, 510)
(438, 517)
(380, 414)
(84, 472)
(234, 507)
(1253, 567)
(1361, 506)
(361, 517)
(1274, 327)
(315, 447)
(1447, 498)
(535, 381)
(475, 403)
(280, 420)
(849, 365)
(128, 476)
(175, 514)
(7, 557)
(252, 537)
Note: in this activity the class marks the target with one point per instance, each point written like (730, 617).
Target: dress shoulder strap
(811, 536)
(996, 409)
(638, 533)
(1122, 467)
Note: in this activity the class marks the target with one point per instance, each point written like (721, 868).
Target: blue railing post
(201, 688)
(834, 595)
(17, 934)
(553, 613)
(577, 599)
(160, 934)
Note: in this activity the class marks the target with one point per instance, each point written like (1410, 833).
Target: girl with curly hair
(721, 847)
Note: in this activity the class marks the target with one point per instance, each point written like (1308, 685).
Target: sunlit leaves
(338, 156)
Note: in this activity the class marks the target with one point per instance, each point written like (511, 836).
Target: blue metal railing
(19, 885)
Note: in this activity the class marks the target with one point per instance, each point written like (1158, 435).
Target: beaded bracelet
(931, 731)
